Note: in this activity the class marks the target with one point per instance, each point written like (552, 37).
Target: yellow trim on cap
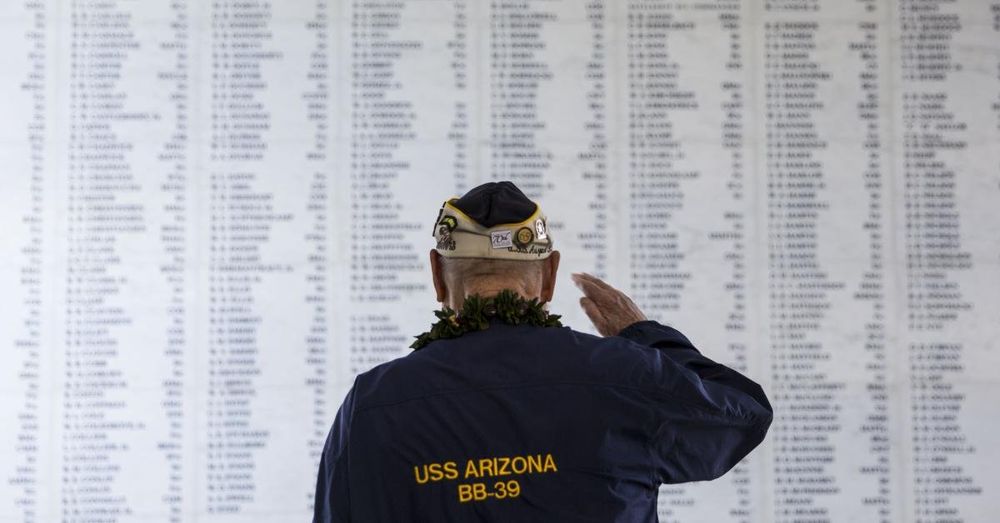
(538, 210)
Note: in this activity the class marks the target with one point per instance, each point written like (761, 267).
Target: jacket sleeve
(332, 502)
(707, 416)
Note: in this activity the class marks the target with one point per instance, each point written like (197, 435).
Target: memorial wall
(215, 213)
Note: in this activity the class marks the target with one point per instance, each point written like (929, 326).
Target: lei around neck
(477, 311)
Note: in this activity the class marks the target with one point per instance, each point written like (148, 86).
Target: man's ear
(437, 272)
(549, 270)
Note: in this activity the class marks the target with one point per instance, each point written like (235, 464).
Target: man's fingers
(608, 308)
(587, 285)
(594, 280)
(593, 312)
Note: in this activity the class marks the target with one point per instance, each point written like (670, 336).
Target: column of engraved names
(383, 120)
(828, 287)
(99, 183)
(517, 73)
(22, 473)
(805, 397)
(935, 257)
(317, 342)
(241, 217)
(656, 174)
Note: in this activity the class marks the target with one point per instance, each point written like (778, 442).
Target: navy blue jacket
(522, 424)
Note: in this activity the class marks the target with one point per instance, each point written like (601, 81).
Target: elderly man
(502, 414)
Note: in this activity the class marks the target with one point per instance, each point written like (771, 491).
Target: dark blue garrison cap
(495, 203)
(494, 220)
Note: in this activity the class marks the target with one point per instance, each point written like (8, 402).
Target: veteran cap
(494, 220)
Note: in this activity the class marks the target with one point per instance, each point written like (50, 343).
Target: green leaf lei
(507, 306)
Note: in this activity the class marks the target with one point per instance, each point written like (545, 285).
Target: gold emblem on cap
(524, 237)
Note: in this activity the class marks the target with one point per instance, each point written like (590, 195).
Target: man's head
(490, 239)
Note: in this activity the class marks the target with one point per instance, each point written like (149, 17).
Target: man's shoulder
(496, 357)
(483, 349)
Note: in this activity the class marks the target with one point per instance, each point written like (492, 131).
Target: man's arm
(712, 415)
(707, 416)
(332, 503)
(676, 346)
